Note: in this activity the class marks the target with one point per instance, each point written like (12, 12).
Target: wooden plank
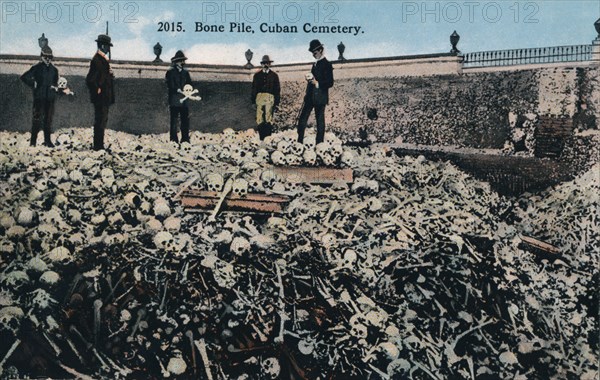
(315, 175)
(535, 243)
(207, 200)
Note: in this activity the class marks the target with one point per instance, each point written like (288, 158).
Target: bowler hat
(314, 45)
(104, 39)
(179, 56)
(266, 59)
(46, 52)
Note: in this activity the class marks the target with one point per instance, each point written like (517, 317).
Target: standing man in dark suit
(99, 81)
(177, 77)
(43, 79)
(320, 80)
(266, 94)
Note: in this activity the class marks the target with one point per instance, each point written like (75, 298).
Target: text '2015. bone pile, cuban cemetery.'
(415, 270)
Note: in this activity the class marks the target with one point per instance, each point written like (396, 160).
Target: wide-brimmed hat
(314, 45)
(266, 59)
(179, 56)
(46, 52)
(104, 39)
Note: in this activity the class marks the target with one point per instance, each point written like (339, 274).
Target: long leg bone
(282, 316)
(190, 336)
(226, 190)
(97, 320)
(9, 353)
(74, 330)
(203, 354)
(140, 314)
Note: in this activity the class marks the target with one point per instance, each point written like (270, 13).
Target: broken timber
(193, 200)
(314, 175)
(540, 245)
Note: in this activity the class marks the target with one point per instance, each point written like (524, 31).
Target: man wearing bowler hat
(177, 77)
(319, 81)
(100, 81)
(43, 79)
(266, 93)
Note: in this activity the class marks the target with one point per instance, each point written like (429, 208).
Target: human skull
(188, 90)
(240, 187)
(10, 319)
(336, 150)
(374, 204)
(271, 367)
(76, 176)
(241, 154)
(225, 152)
(40, 299)
(310, 142)
(297, 148)
(255, 184)
(108, 176)
(239, 246)
(358, 329)
(262, 155)
(268, 179)
(284, 147)
(163, 240)
(161, 208)
(349, 259)
(62, 82)
(293, 160)
(310, 157)
(278, 158)
(176, 365)
(347, 158)
(214, 182)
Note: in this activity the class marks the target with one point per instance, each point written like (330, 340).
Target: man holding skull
(43, 79)
(177, 77)
(99, 81)
(266, 94)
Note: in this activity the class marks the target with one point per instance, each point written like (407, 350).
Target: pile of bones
(416, 270)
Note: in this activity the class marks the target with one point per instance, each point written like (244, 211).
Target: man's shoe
(49, 144)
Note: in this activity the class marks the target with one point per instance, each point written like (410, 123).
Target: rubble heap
(416, 270)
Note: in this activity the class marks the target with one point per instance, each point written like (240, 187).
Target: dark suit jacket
(268, 83)
(40, 77)
(176, 80)
(100, 76)
(322, 70)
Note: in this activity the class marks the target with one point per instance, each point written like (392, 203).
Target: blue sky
(387, 28)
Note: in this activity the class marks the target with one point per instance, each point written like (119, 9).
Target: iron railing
(573, 53)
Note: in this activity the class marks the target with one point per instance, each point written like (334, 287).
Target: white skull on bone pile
(347, 158)
(336, 150)
(240, 187)
(310, 142)
(240, 154)
(271, 367)
(349, 259)
(268, 179)
(284, 147)
(10, 319)
(358, 328)
(262, 155)
(310, 157)
(214, 182)
(255, 184)
(297, 148)
(278, 158)
(374, 204)
(293, 160)
(225, 152)
(239, 246)
(164, 240)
